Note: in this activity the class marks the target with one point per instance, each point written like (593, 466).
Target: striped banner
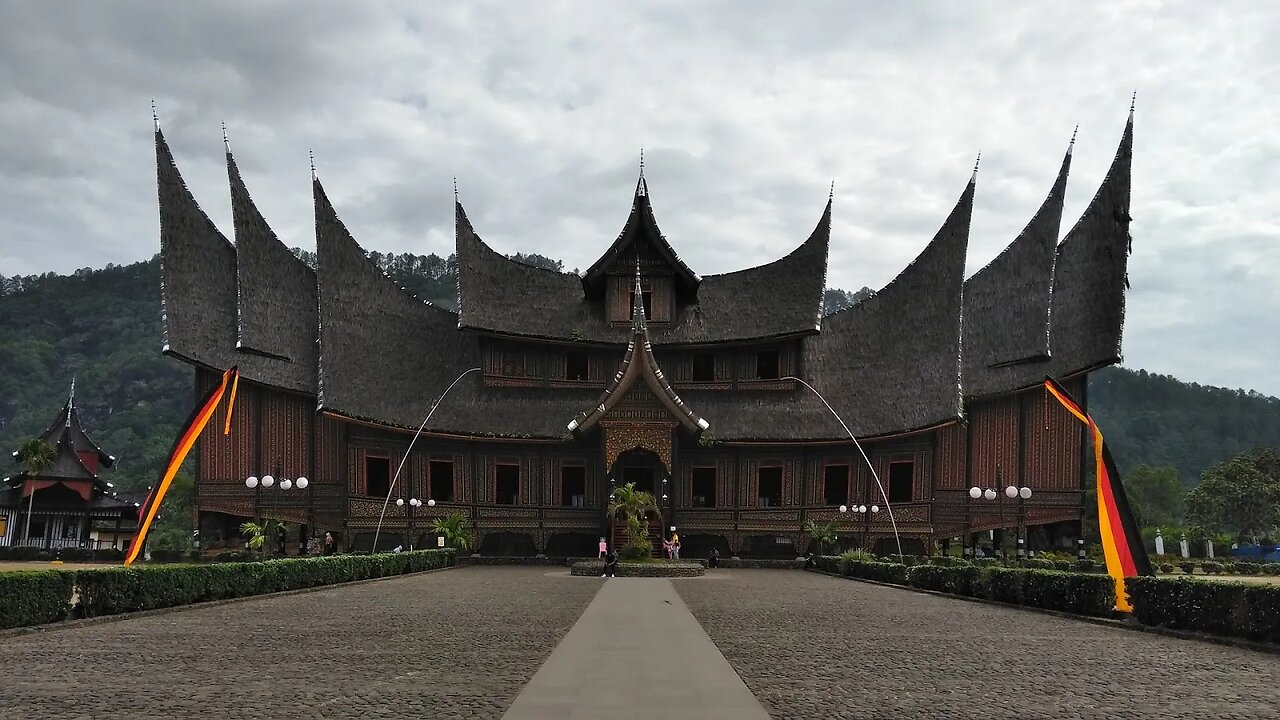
(181, 446)
(1121, 542)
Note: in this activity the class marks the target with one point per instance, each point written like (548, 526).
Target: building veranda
(640, 370)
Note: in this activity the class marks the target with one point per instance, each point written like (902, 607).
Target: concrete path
(636, 652)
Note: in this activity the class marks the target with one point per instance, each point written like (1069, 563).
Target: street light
(284, 485)
(866, 513)
(408, 450)
(867, 460)
(1013, 492)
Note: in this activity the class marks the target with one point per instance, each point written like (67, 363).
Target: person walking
(675, 545)
(604, 548)
(610, 564)
(330, 545)
(713, 560)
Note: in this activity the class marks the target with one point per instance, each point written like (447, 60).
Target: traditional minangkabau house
(640, 370)
(66, 504)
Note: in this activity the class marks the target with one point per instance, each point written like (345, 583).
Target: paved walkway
(636, 653)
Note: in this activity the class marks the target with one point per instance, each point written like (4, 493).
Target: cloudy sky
(746, 113)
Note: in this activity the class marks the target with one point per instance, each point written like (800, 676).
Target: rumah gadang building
(640, 370)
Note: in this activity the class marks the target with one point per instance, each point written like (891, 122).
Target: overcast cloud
(746, 112)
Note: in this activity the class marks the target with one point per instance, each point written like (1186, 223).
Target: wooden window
(704, 367)
(4, 525)
(514, 363)
(575, 366)
(441, 472)
(507, 485)
(704, 487)
(902, 477)
(835, 485)
(70, 528)
(767, 365)
(770, 486)
(573, 486)
(377, 476)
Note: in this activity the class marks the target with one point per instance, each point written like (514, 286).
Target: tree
(633, 508)
(453, 528)
(37, 456)
(1156, 495)
(258, 533)
(1240, 496)
(539, 261)
(834, 299)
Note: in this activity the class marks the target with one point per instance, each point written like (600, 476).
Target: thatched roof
(276, 293)
(385, 354)
(500, 295)
(1091, 276)
(199, 287)
(66, 427)
(1006, 304)
(892, 362)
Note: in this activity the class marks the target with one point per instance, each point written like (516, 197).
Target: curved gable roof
(1091, 274)
(275, 291)
(641, 226)
(1006, 304)
(892, 362)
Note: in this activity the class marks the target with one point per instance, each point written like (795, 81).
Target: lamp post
(866, 513)
(266, 482)
(408, 450)
(1021, 494)
(414, 504)
(874, 475)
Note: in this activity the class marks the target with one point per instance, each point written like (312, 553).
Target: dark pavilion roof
(638, 365)
(1091, 275)
(67, 426)
(892, 362)
(782, 298)
(199, 288)
(1006, 304)
(276, 291)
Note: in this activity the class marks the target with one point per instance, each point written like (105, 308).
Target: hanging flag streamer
(181, 446)
(1121, 543)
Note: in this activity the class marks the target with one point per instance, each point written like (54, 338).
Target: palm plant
(37, 455)
(453, 528)
(257, 533)
(823, 535)
(633, 508)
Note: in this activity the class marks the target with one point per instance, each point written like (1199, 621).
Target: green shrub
(1218, 608)
(25, 553)
(1271, 568)
(1211, 568)
(34, 597)
(1187, 566)
(1085, 565)
(1005, 585)
(1166, 568)
(987, 562)
(108, 555)
(1038, 564)
(167, 556)
(1063, 565)
(879, 571)
(6, 552)
(116, 590)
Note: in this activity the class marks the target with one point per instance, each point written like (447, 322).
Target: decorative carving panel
(620, 437)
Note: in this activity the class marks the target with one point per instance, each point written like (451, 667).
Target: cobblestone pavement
(814, 646)
(454, 644)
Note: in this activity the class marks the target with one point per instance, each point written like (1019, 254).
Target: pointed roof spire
(311, 155)
(637, 304)
(155, 119)
(831, 194)
(455, 188)
(1071, 145)
(1133, 102)
(71, 400)
(976, 163)
(226, 144)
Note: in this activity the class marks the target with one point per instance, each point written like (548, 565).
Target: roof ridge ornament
(455, 188)
(642, 186)
(1071, 145)
(226, 143)
(71, 400)
(831, 194)
(976, 163)
(311, 155)
(155, 118)
(1133, 101)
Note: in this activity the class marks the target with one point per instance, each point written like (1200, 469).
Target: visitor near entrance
(604, 547)
(610, 564)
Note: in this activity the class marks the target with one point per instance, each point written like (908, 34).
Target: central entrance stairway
(619, 539)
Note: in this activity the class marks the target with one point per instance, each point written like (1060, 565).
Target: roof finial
(455, 188)
(832, 192)
(71, 400)
(1071, 145)
(311, 155)
(1133, 101)
(225, 142)
(641, 161)
(637, 301)
(155, 118)
(976, 163)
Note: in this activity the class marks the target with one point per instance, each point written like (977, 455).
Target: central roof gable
(640, 233)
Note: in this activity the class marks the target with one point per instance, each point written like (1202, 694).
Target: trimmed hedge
(1080, 593)
(1234, 609)
(39, 597)
(34, 598)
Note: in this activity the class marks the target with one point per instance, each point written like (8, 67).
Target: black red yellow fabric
(182, 445)
(1121, 543)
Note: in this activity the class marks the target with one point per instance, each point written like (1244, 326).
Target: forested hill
(104, 327)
